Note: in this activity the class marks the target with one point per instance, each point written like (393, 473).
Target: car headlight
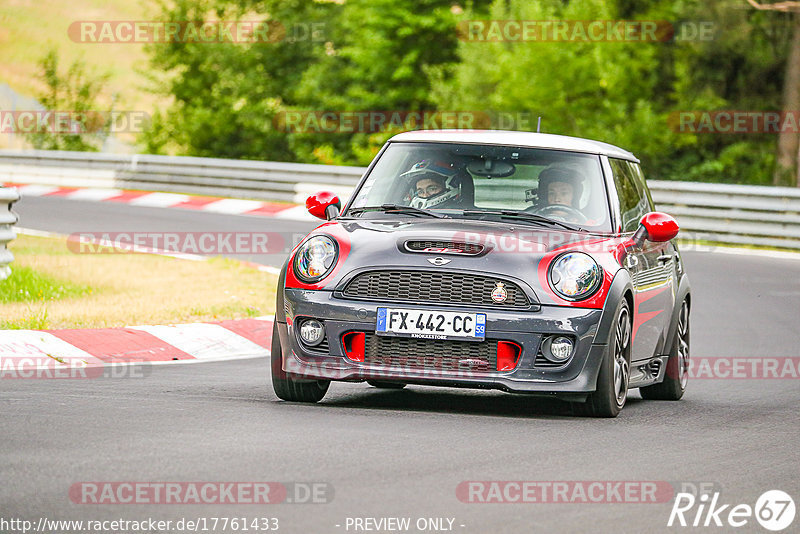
(575, 275)
(315, 258)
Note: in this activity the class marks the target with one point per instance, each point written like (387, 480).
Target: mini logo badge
(439, 261)
(499, 293)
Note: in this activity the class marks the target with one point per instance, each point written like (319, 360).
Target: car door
(663, 258)
(651, 287)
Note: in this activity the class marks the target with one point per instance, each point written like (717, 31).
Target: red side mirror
(660, 226)
(323, 205)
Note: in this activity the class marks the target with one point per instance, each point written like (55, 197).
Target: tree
(626, 92)
(376, 60)
(229, 98)
(73, 94)
(787, 168)
(226, 94)
(384, 56)
(603, 90)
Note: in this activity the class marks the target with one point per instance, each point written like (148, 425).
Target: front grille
(464, 248)
(425, 286)
(433, 354)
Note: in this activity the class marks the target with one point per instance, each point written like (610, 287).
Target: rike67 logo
(774, 510)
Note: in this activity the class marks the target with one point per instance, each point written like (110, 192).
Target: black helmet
(561, 172)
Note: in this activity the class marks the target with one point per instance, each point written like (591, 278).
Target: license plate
(431, 324)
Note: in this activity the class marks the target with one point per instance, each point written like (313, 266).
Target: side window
(642, 184)
(633, 199)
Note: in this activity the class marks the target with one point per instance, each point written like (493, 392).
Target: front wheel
(612, 381)
(287, 387)
(676, 377)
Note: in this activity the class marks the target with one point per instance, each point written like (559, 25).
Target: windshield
(487, 181)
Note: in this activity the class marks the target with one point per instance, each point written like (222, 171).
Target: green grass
(52, 288)
(27, 285)
(34, 321)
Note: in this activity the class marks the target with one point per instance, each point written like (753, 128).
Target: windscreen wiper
(533, 217)
(396, 208)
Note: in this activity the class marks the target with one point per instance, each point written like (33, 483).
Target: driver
(560, 185)
(433, 185)
(559, 192)
(429, 186)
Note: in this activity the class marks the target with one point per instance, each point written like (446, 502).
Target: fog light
(557, 348)
(311, 332)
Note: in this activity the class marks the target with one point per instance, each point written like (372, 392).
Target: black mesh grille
(423, 286)
(322, 347)
(465, 248)
(441, 355)
(543, 363)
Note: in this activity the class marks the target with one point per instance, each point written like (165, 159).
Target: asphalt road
(62, 216)
(403, 453)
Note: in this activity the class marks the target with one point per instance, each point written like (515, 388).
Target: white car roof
(520, 139)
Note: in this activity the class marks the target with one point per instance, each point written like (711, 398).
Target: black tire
(287, 387)
(385, 385)
(676, 377)
(612, 381)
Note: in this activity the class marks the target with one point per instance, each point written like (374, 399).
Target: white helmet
(440, 172)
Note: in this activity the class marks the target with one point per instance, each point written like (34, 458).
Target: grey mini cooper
(528, 263)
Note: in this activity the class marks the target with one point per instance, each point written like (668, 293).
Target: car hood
(520, 252)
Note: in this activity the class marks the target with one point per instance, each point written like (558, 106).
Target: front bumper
(577, 377)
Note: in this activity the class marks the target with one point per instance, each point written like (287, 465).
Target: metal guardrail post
(8, 195)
